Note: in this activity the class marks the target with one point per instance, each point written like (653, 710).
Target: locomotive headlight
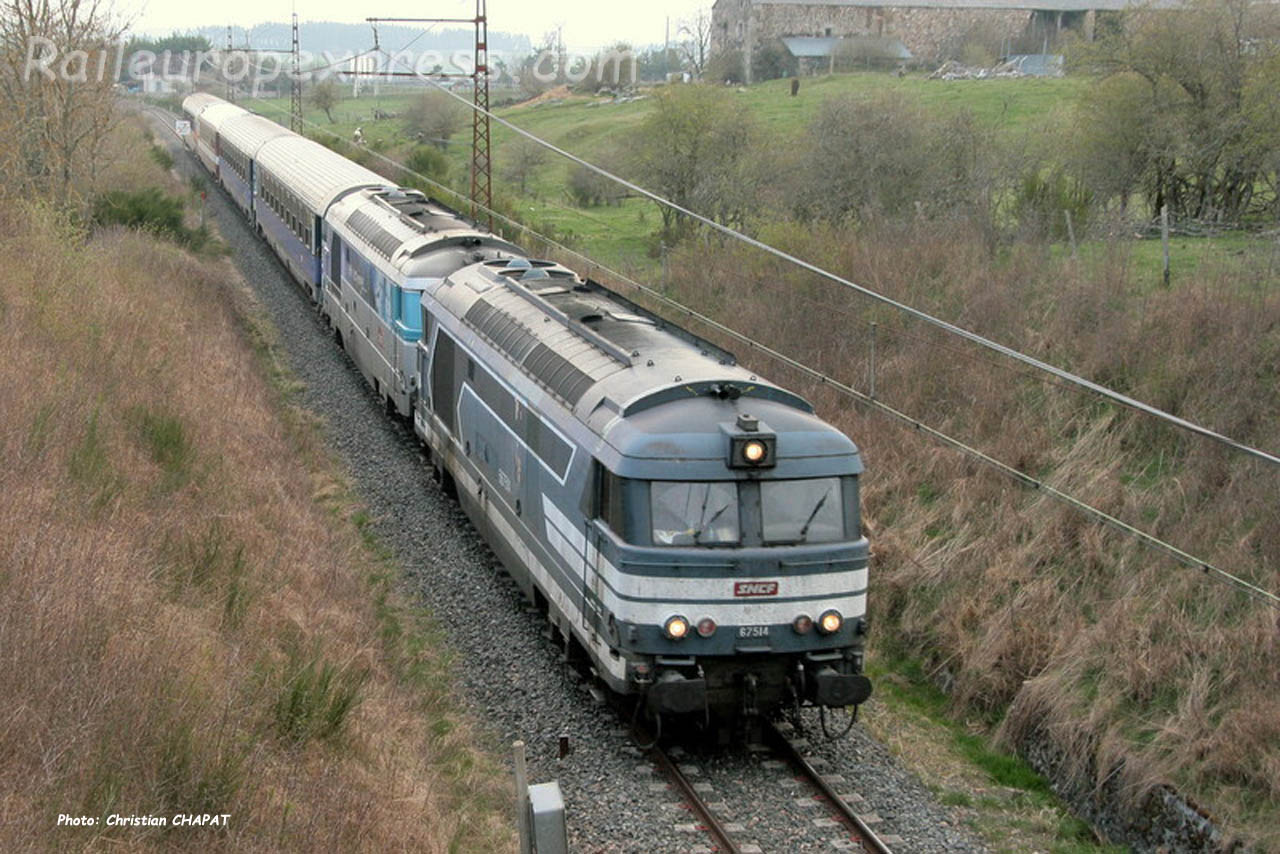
(676, 627)
(753, 452)
(706, 627)
(803, 624)
(830, 621)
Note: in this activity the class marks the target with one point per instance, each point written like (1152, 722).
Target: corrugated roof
(1037, 64)
(821, 47)
(811, 47)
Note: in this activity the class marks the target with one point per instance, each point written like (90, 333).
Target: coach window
(694, 514)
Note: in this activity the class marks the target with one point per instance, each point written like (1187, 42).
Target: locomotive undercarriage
(745, 686)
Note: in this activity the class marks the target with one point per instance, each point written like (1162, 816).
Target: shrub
(724, 68)
(429, 162)
(588, 189)
(1044, 198)
(149, 209)
(161, 156)
(772, 60)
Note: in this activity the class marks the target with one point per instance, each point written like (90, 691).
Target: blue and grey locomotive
(692, 528)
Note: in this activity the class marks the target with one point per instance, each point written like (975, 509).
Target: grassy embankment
(191, 620)
(1036, 621)
(1040, 623)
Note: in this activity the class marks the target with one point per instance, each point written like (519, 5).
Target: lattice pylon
(481, 164)
(295, 102)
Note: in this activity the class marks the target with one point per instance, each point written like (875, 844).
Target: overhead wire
(952, 328)
(1186, 558)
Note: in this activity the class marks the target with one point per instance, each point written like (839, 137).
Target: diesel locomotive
(691, 528)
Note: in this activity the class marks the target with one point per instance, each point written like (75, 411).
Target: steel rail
(713, 824)
(870, 842)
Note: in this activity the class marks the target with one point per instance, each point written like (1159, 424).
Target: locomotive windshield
(802, 511)
(694, 514)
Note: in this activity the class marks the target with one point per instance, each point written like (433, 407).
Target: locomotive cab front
(726, 561)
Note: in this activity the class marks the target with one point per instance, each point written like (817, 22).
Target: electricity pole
(295, 102)
(225, 60)
(481, 162)
(481, 166)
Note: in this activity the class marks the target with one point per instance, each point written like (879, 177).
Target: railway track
(859, 829)
(733, 836)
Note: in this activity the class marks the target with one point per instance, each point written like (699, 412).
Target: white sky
(588, 24)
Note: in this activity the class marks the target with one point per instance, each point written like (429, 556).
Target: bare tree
(325, 96)
(434, 117)
(697, 43)
(522, 158)
(57, 98)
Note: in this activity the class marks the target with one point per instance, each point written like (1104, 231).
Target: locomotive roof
(250, 132)
(643, 445)
(318, 175)
(404, 226)
(603, 356)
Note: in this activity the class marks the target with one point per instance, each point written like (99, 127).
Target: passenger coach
(383, 248)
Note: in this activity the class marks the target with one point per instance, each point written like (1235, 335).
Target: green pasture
(624, 236)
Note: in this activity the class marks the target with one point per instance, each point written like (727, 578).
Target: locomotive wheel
(447, 485)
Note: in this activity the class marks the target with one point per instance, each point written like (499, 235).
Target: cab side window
(611, 505)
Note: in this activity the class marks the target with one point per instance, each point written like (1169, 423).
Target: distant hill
(336, 38)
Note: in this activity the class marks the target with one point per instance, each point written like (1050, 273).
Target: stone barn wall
(928, 33)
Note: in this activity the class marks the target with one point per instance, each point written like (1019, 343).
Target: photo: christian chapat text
(176, 820)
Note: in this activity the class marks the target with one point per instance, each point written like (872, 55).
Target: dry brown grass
(1035, 616)
(189, 621)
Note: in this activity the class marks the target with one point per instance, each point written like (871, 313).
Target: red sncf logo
(755, 588)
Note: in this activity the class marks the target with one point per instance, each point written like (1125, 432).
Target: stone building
(929, 29)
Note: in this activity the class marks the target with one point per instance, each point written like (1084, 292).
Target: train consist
(690, 527)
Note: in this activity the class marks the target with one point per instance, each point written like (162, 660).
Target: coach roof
(216, 115)
(319, 176)
(195, 103)
(248, 133)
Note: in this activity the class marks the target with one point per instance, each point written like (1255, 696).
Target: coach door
(335, 262)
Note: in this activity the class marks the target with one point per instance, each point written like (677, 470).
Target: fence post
(522, 799)
(1164, 239)
(873, 359)
(1071, 233)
